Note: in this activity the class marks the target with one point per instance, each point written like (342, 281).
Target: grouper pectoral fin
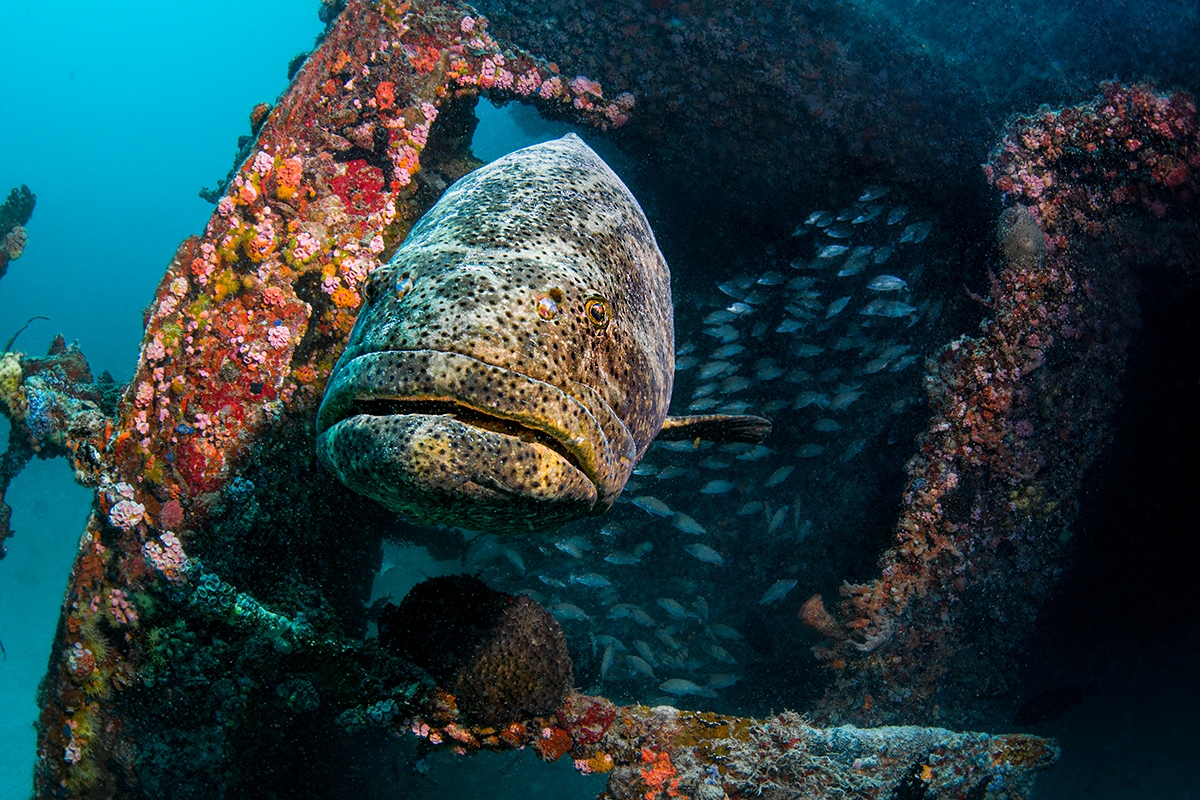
(719, 428)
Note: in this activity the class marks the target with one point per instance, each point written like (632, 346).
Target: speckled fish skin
(493, 394)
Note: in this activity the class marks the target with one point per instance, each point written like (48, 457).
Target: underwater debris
(14, 215)
(223, 597)
(503, 657)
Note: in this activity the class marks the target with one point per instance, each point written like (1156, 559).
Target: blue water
(115, 116)
(117, 139)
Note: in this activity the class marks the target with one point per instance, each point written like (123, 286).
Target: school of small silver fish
(676, 594)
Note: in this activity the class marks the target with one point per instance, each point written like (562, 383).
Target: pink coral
(167, 557)
(126, 514)
(306, 246)
(262, 163)
(279, 336)
(121, 608)
(14, 242)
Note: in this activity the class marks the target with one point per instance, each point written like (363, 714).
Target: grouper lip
(438, 382)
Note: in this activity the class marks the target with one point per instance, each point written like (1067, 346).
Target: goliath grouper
(513, 361)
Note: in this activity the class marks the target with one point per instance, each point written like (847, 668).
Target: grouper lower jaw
(435, 469)
(444, 437)
(580, 425)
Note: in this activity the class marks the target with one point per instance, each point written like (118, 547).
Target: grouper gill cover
(514, 359)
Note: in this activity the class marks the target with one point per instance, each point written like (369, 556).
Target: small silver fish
(569, 611)
(514, 558)
(853, 450)
(639, 615)
(771, 278)
(887, 283)
(727, 632)
(671, 472)
(673, 608)
(716, 487)
(810, 450)
(768, 373)
(571, 547)
(726, 351)
(836, 306)
(667, 639)
(621, 611)
(703, 404)
(832, 251)
(722, 681)
(681, 686)
(734, 384)
(652, 505)
(593, 579)
(896, 214)
(867, 215)
(888, 308)
(777, 477)
(753, 507)
(704, 553)
(805, 399)
(777, 519)
(758, 451)
(852, 267)
(777, 591)
(641, 665)
(712, 369)
(842, 400)
(621, 558)
(826, 425)
(873, 192)
(808, 351)
(789, 326)
(606, 660)
(874, 365)
(720, 317)
(645, 651)
(882, 254)
(916, 232)
(686, 524)
(723, 333)
(839, 232)
(719, 653)
(798, 375)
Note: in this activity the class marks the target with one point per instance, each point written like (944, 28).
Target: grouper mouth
(465, 415)
(409, 427)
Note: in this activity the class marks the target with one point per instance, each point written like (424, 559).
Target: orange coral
(553, 744)
(345, 298)
(385, 94)
(659, 774)
(288, 177)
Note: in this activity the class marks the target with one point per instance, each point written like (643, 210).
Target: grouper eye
(598, 312)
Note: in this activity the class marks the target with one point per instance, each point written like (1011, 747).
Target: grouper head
(514, 359)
